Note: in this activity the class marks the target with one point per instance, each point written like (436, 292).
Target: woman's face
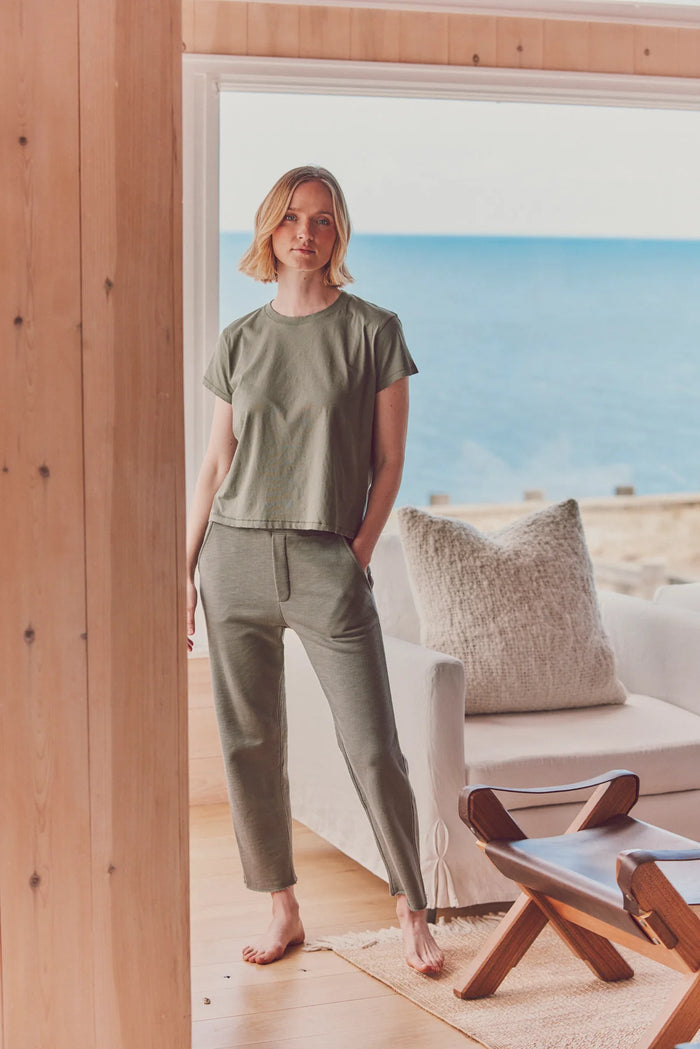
(306, 235)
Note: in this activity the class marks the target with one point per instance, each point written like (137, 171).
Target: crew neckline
(281, 318)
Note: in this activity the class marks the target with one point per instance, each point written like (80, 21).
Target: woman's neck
(298, 296)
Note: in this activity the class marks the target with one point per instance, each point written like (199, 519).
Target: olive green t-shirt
(302, 391)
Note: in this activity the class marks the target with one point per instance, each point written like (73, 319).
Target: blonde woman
(302, 469)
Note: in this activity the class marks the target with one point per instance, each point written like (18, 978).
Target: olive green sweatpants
(254, 584)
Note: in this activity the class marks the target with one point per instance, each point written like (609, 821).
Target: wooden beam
(219, 28)
(45, 876)
(325, 30)
(368, 34)
(130, 60)
(273, 29)
(93, 868)
(423, 37)
(472, 40)
(374, 35)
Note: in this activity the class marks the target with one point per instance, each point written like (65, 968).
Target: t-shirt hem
(402, 373)
(311, 526)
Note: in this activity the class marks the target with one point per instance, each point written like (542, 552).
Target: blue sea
(568, 365)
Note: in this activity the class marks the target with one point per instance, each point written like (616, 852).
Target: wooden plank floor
(313, 1000)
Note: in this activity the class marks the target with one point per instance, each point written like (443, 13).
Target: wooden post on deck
(94, 940)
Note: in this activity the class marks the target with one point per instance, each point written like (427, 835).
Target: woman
(311, 407)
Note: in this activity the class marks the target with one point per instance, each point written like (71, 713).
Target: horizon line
(505, 236)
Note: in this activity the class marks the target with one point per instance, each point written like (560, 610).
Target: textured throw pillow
(517, 607)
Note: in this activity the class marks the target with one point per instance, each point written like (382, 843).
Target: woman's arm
(388, 445)
(216, 464)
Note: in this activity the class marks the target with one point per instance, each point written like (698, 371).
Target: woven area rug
(550, 1000)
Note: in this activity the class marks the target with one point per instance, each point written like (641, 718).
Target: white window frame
(205, 77)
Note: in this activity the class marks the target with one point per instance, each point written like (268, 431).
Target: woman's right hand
(191, 605)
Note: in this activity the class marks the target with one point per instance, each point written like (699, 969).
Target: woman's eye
(324, 222)
(289, 218)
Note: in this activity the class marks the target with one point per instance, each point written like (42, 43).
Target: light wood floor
(308, 1000)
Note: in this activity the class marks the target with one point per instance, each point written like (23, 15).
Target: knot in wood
(475, 59)
(44, 470)
(18, 320)
(35, 880)
(29, 635)
(22, 140)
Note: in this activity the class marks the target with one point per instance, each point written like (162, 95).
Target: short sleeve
(391, 357)
(218, 376)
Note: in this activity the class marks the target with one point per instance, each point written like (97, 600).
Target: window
(561, 230)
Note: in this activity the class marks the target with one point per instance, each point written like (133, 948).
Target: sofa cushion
(517, 607)
(657, 740)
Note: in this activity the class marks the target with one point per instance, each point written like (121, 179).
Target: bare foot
(420, 949)
(284, 930)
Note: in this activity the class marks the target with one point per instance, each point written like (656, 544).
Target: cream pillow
(517, 607)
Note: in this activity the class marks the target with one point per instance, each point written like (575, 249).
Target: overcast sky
(466, 167)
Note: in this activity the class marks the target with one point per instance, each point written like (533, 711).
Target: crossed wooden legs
(672, 932)
(518, 931)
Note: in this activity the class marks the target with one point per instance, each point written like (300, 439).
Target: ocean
(566, 365)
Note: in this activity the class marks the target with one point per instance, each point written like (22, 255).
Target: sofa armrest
(428, 693)
(657, 648)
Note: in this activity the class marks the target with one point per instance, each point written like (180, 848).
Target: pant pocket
(207, 533)
(366, 573)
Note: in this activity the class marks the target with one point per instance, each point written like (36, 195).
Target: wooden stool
(598, 882)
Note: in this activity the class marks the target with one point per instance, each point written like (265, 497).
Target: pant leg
(331, 607)
(247, 665)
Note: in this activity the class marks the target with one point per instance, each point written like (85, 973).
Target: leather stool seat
(579, 869)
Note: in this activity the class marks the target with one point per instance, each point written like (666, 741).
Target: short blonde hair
(259, 260)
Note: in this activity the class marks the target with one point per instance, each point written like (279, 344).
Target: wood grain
(472, 40)
(188, 38)
(610, 48)
(423, 37)
(520, 43)
(655, 50)
(324, 32)
(373, 34)
(207, 781)
(565, 45)
(130, 62)
(307, 1000)
(687, 57)
(680, 1017)
(273, 30)
(507, 945)
(220, 27)
(203, 733)
(45, 879)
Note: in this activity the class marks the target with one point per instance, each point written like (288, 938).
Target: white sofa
(656, 733)
(680, 595)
